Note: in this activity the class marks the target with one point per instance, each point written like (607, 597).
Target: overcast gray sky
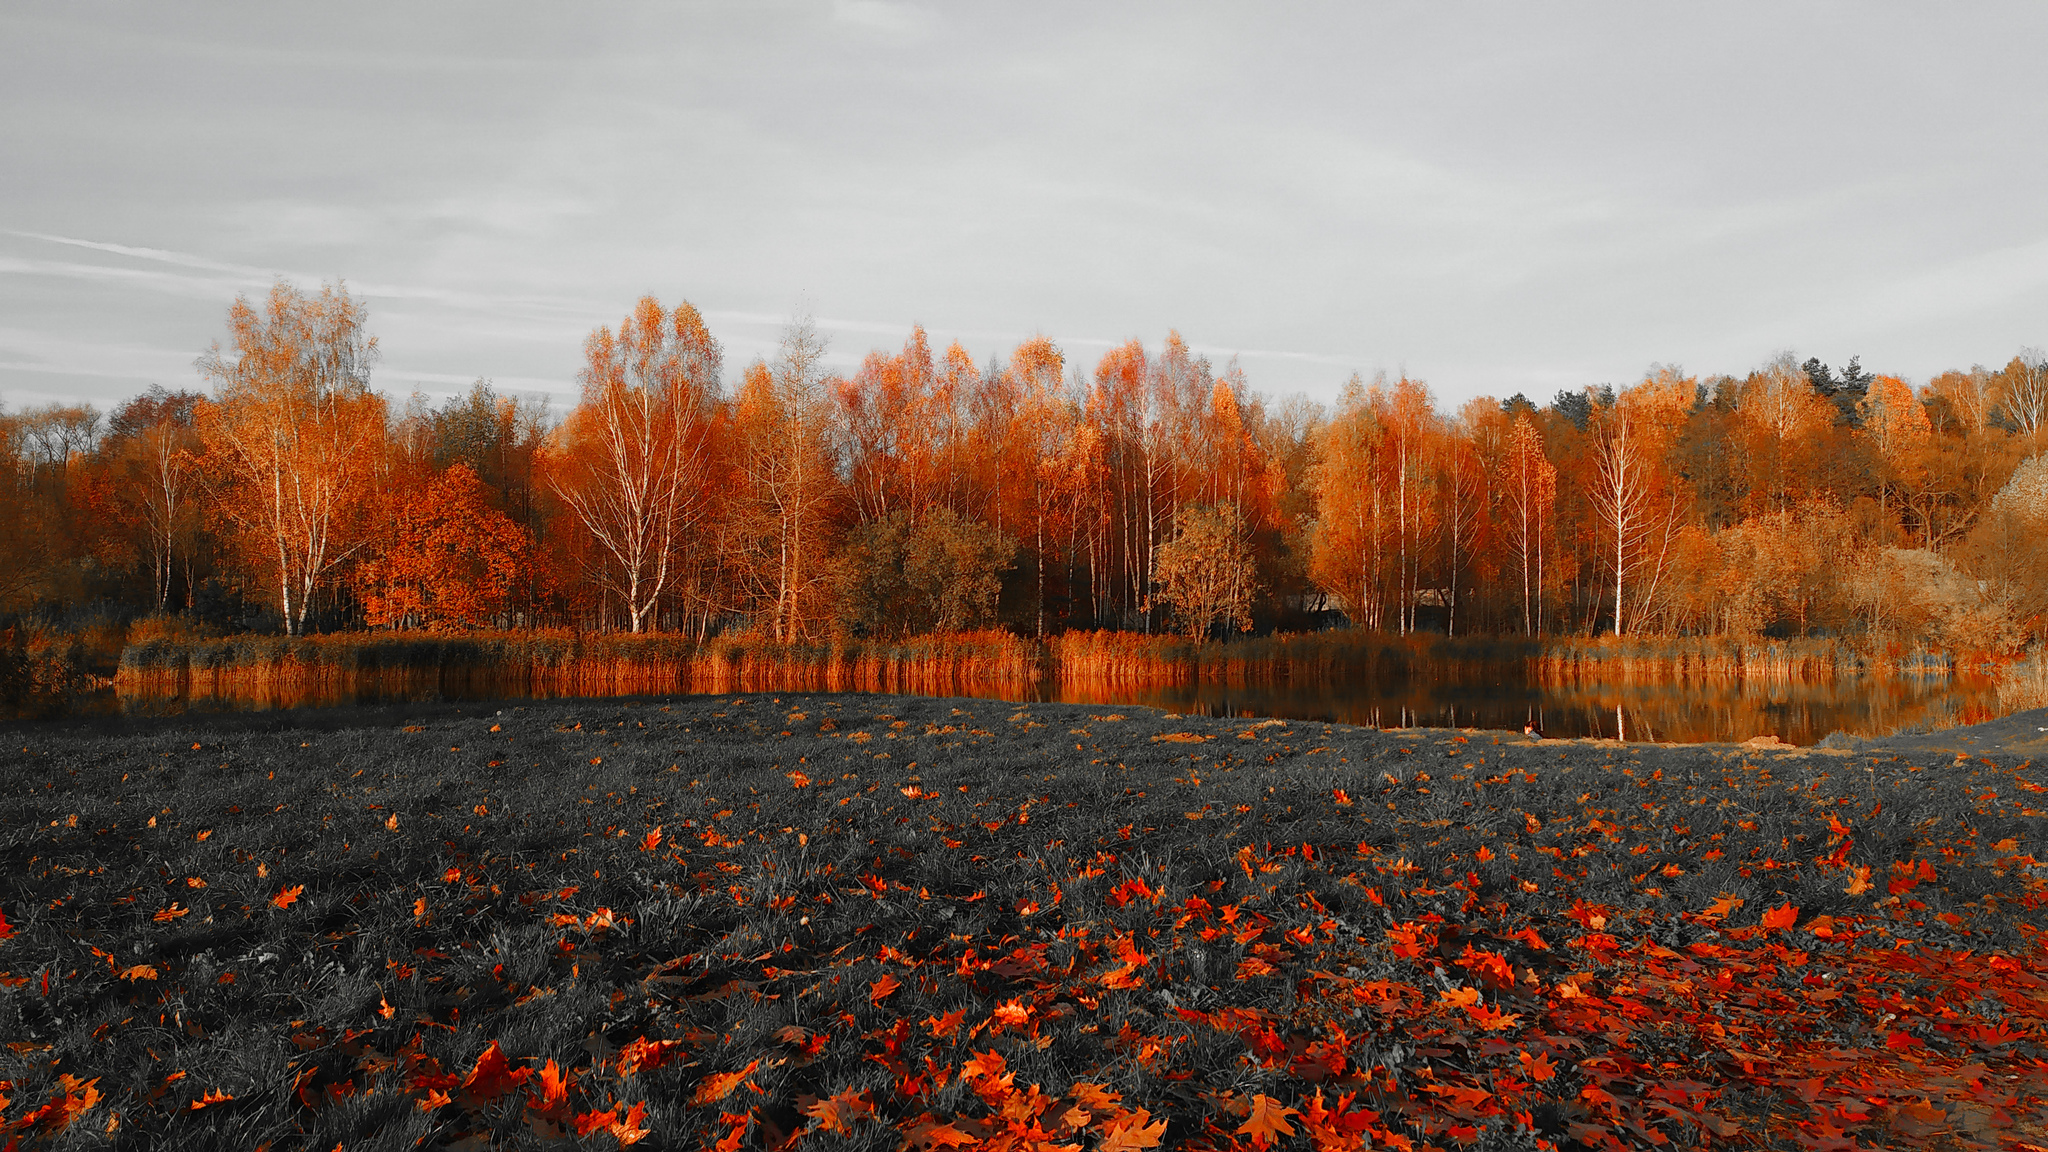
(1494, 198)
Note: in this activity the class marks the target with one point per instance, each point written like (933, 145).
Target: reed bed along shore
(561, 663)
(1136, 658)
(2024, 685)
(1654, 659)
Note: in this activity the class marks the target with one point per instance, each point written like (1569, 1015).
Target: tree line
(925, 491)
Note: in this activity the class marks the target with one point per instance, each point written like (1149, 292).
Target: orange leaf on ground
(630, 1130)
(943, 1026)
(928, 1132)
(167, 915)
(435, 1099)
(1537, 1068)
(138, 972)
(213, 1096)
(642, 1053)
(837, 1113)
(1780, 918)
(75, 1099)
(287, 897)
(493, 1075)
(1723, 905)
(1267, 1121)
(1131, 1132)
(989, 1063)
(652, 840)
(554, 1089)
(880, 990)
(719, 1085)
(1492, 1019)
(392, 822)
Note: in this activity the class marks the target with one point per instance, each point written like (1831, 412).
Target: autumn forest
(1150, 491)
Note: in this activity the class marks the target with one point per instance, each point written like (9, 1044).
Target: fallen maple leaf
(880, 989)
(989, 1063)
(1859, 880)
(554, 1089)
(642, 1053)
(391, 822)
(493, 1075)
(138, 972)
(6, 929)
(837, 1113)
(943, 1026)
(1781, 918)
(652, 840)
(1130, 1132)
(1723, 905)
(287, 897)
(1267, 1121)
(632, 1129)
(1095, 1097)
(719, 1085)
(213, 1096)
(167, 915)
(928, 1132)
(75, 1100)
(1492, 1019)
(1537, 1068)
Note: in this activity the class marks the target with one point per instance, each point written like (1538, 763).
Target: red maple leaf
(493, 1075)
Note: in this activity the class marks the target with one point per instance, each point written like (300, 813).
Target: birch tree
(790, 486)
(292, 432)
(631, 460)
(1530, 484)
(153, 445)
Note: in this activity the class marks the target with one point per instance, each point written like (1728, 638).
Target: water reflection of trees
(1469, 694)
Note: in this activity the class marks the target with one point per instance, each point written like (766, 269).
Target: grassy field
(898, 922)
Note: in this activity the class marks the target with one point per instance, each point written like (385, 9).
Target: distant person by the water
(1530, 729)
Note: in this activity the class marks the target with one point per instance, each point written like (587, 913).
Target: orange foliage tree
(1639, 506)
(1345, 550)
(1530, 483)
(631, 460)
(291, 435)
(454, 561)
(788, 486)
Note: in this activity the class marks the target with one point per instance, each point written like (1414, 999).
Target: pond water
(1682, 712)
(1496, 694)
